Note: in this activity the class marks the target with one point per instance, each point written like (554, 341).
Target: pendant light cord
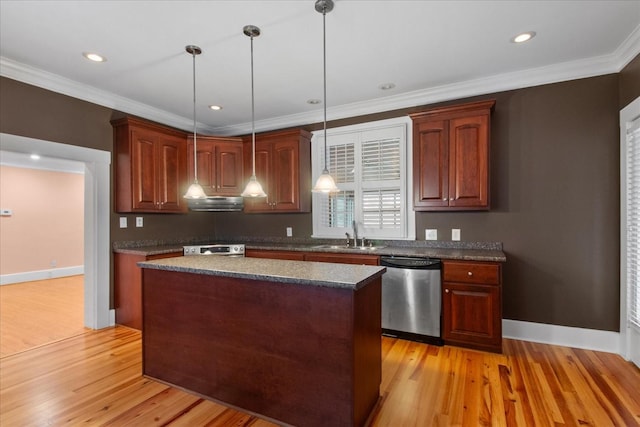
(195, 142)
(324, 62)
(253, 128)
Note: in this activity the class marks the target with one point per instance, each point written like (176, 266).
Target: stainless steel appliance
(228, 250)
(216, 204)
(411, 298)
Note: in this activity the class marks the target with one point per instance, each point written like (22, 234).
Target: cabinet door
(229, 168)
(171, 174)
(430, 164)
(289, 255)
(472, 315)
(285, 183)
(206, 158)
(468, 164)
(263, 174)
(343, 258)
(143, 170)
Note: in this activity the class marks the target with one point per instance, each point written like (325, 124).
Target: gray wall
(554, 178)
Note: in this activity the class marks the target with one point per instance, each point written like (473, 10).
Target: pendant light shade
(325, 182)
(253, 188)
(195, 190)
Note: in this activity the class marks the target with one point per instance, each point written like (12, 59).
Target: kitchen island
(293, 342)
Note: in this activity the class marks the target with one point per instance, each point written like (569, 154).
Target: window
(371, 165)
(633, 221)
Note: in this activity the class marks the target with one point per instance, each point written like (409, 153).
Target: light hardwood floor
(40, 312)
(94, 379)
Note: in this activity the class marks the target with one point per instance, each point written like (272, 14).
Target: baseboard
(29, 276)
(590, 339)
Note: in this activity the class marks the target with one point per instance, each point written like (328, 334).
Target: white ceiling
(431, 50)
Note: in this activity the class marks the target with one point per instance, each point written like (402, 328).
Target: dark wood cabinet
(127, 283)
(275, 254)
(283, 168)
(451, 157)
(220, 165)
(472, 305)
(150, 167)
(340, 258)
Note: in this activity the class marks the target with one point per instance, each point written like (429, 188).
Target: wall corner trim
(589, 339)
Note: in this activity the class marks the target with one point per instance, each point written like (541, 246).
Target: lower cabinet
(127, 284)
(343, 258)
(472, 305)
(339, 258)
(259, 253)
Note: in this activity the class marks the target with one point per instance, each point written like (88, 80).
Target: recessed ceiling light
(94, 57)
(521, 38)
(314, 101)
(215, 107)
(386, 86)
(34, 157)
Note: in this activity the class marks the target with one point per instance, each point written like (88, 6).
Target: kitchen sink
(354, 248)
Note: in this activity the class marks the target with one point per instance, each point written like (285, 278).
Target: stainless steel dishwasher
(411, 298)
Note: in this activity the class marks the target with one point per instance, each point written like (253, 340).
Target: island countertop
(343, 276)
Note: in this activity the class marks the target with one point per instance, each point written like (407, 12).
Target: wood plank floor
(40, 312)
(95, 379)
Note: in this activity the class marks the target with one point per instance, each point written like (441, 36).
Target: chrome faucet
(355, 233)
(348, 239)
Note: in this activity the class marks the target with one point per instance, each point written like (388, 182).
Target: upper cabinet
(451, 157)
(219, 165)
(283, 168)
(150, 167)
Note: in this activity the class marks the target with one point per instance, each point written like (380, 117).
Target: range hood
(217, 204)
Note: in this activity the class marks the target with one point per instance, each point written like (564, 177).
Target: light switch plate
(123, 222)
(6, 212)
(455, 234)
(139, 221)
(431, 234)
(289, 231)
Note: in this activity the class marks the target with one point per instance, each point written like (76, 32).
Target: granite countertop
(431, 252)
(344, 276)
(466, 251)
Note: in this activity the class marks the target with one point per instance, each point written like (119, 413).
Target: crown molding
(583, 68)
(56, 83)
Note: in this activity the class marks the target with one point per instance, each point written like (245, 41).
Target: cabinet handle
(470, 273)
(444, 199)
(446, 291)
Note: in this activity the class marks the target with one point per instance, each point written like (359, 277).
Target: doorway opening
(96, 165)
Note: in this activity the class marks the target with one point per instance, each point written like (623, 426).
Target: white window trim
(629, 335)
(317, 164)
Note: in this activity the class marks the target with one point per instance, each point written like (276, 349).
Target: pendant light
(325, 182)
(195, 190)
(253, 188)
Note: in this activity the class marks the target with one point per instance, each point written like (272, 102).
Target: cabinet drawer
(471, 272)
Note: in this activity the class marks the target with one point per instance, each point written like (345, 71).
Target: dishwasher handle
(413, 263)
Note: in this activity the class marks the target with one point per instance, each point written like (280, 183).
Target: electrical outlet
(123, 222)
(139, 221)
(289, 231)
(431, 234)
(54, 263)
(455, 234)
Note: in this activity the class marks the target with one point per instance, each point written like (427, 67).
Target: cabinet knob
(446, 291)
(469, 273)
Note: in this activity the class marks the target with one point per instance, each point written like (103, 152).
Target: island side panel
(367, 350)
(281, 350)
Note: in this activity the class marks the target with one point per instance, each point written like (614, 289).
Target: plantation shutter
(633, 221)
(381, 193)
